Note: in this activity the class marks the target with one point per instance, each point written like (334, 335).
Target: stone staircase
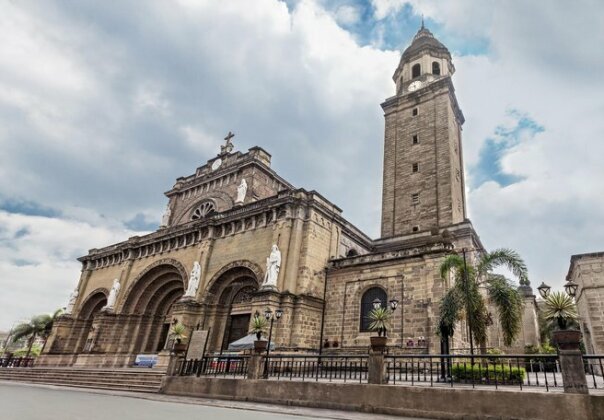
(128, 379)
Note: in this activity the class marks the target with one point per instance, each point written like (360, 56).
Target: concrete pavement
(19, 401)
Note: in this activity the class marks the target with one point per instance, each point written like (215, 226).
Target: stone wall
(587, 270)
(425, 402)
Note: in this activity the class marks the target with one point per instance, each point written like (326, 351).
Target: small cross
(228, 145)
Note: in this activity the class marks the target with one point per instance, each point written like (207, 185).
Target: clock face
(414, 86)
(216, 164)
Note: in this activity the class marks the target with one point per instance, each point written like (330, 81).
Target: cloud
(38, 267)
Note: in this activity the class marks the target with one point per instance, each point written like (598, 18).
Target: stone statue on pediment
(241, 191)
(165, 220)
(193, 281)
(72, 301)
(115, 289)
(273, 264)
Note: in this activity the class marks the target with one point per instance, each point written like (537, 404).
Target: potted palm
(560, 308)
(259, 325)
(380, 322)
(178, 335)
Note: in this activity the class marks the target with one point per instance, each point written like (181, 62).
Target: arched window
(436, 68)
(203, 210)
(367, 305)
(416, 71)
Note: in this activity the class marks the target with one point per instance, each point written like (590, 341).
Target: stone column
(255, 367)
(376, 369)
(571, 361)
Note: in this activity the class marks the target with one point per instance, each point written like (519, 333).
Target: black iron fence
(341, 368)
(537, 370)
(594, 370)
(224, 366)
(452, 370)
(10, 362)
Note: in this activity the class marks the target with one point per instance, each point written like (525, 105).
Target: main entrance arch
(229, 305)
(149, 306)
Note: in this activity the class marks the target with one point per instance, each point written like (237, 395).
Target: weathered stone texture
(587, 270)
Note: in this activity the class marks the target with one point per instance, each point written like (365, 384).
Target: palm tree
(38, 326)
(465, 298)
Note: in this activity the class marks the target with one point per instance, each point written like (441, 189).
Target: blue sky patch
(28, 208)
(489, 166)
(139, 224)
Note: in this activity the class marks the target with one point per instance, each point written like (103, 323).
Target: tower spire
(422, 21)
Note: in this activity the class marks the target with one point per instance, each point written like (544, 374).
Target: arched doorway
(91, 306)
(229, 301)
(149, 304)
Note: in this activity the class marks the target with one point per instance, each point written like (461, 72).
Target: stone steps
(115, 379)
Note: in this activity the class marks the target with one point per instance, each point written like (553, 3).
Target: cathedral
(236, 238)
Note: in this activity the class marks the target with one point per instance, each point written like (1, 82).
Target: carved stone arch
(128, 303)
(93, 303)
(222, 201)
(218, 283)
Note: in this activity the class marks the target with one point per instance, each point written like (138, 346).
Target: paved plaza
(32, 402)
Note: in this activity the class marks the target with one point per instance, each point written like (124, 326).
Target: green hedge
(487, 373)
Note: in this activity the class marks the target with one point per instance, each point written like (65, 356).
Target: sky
(104, 104)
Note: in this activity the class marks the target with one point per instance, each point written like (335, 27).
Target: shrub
(487, 374)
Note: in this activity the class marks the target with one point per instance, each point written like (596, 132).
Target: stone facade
(587, 270)
(232, 210)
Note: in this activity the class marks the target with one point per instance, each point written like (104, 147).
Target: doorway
(238, 328)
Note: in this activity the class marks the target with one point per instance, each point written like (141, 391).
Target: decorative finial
(228, 145)
(422, 21)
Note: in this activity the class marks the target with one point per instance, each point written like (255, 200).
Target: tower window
(436, 68)
(415, 198)
(415, 228)
(416, 167)
(415, 139)
(416, 71)
(414, 112)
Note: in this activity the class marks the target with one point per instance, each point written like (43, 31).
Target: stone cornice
(435, 248)
(430, 88)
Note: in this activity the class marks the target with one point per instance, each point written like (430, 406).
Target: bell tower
(423, 185)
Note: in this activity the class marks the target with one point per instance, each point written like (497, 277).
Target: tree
(38, 326)
(465, 299)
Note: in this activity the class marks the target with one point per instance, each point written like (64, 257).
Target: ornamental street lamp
(544, 290)
(571, 288)
(268, 314)
(393, 304)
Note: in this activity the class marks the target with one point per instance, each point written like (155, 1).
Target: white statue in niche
(273, 263)
(241, 191)
(72, 301)
(193, 281)
(115, 289)
(165, 220)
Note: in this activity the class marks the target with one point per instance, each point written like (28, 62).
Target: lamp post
(270, 316)
(544, 290)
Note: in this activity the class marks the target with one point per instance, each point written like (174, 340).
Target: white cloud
(38, 267)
